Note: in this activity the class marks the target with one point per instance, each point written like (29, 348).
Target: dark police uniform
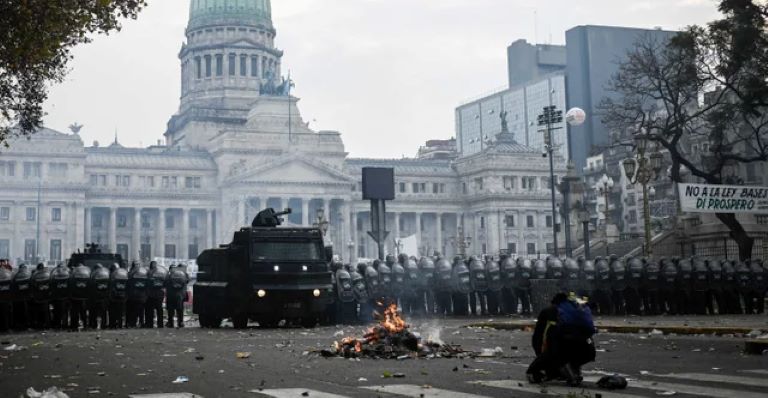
(177, 290)
(462, 286)
(22, 297)
(618, 285)
(508, 297)
(6, 299)
(41, 295)
(137, 296)
(523, 275)
(603, 287)
(118, 293)
(99, 297)
(79, 288)
(650, 288)
(155, 295)
(60, 296)
(700, 286)
(668, 302)
(633, 281)
(479, 286)
(443, 287)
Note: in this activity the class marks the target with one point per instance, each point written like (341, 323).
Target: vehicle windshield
(287, 251)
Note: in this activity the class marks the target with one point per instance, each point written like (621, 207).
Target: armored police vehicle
(266, 274)
(92, 256)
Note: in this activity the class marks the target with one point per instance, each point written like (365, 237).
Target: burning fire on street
(392, 339)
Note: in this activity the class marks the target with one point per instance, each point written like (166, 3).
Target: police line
(703, 198)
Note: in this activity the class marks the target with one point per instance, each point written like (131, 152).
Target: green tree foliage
(704, 88)
(36, 37)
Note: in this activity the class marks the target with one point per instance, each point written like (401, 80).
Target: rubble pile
(392, 339)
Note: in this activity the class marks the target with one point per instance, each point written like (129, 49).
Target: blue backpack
(576, 318)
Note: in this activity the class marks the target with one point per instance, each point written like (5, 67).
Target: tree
(36, 37)
(705, 88)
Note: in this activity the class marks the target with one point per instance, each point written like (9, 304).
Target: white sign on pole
(703, 198)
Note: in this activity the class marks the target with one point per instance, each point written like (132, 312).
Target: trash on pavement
(612, 382)
(243, 355)
(362, 379)
(52, 392)
(666, 393)
(645, 372)
(13, 347)
(181, 379)
(398, 375)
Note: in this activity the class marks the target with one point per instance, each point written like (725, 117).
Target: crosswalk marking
(171, 395)
(548, 389)
(298, 393)
(702, 391)
(408, 390)
(719, 378)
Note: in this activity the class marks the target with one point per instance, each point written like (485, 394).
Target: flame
(390, 322)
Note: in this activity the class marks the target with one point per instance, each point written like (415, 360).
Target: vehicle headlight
(304, 268)
(261, 293)
(276, 268)
(316, 292)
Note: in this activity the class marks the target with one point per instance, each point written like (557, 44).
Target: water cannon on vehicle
(269, 218)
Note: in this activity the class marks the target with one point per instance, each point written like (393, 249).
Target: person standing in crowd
(60, 281)
(137, 296)
(177, 291)
(118, 288)
(79, 287)
(6, 299)
(41, 295)
(99, 297)
(155, 295)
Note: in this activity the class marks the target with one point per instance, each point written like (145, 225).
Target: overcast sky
(387, 74)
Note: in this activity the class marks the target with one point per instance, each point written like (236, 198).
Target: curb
(755, 347)
(608, 328)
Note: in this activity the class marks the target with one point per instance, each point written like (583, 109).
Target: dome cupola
(205, 13)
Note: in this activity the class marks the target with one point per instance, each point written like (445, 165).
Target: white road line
(756, 371)
(297, 393)
(550, 389)
(719, 378)
(702, 391)
(171, 395)
(408, 390)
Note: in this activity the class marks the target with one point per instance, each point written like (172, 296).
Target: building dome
(204, 13)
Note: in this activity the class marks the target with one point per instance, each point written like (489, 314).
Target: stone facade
(238, 144)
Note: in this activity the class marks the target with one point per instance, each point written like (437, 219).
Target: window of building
(438, 188)
(484, 248)
(219, 64)
(145, 221)
(531, 222)
(5, 248)
(145, 251)
(126, 181)
(30, 247)
(550, 248)
(193, 250)
(633, 217)
(31, 214)
(97, 221)
(509, 183)
(170, 221)
(58, 169)
(122, 250)
(55, 250)
(166, 181)
(511, 248)
(509, 220)
(232, 64)
(103, 180)
(193, 221)
(478, 184)
(402, 187)
(529, 183)
(32, 169)
(118, 181)
(5, 215)
(549, 221)
(7, 168)
(415, 187)
(122, 221)
(94, 180)
(150, 181)
(192, 182)
(198, 69)
(170, 251)
(243, 65)
(56, 214)
(254, 66)
(174, 182)
(482, 222)
(531, 247)
(207, 66)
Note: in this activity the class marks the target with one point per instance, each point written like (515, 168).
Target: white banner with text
(703, 198)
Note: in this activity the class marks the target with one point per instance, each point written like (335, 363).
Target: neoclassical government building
(238, 144)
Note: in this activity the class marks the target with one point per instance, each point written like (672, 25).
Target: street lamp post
(642, 170)
(547, 119)
(606, 186)
(583, 216)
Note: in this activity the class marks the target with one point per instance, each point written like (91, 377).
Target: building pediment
(295, 169)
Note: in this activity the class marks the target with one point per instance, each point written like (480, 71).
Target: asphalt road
(281, 364)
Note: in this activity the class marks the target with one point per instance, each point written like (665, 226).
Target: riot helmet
(539, 270)
(495, 281)
(477, 275)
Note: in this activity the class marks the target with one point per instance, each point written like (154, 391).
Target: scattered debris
(52, 392)
(666, 393)
(181, 379)
(13, 347)
(362, 380)
(243, 355)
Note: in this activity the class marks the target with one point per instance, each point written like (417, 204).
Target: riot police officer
(157, 276)
(683, 288)
(137, 296)
(668, 301)
(744, 283)
(41, 295)
(632, 289)
(759, 284)
(443, 287)
(555, 271)
(462, 286)
(345, 306)
(99, 297)
(508, 297)
(523, 275)
(118, 293)
(6, 299)
(650, 285)
(571, 276)
(730, 288)
(413, 295)
(398, 280)
(603, 287)
(80, 293)
(700, 286)
(427, 283)
(479, 286)
(495, 284)
(360, 292)
(714, 296)
(22, 295)
(618, 285)
(587, 280)
(60, 295)
(385, 280)
(177, 291)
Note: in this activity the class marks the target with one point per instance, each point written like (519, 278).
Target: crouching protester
(562, 341)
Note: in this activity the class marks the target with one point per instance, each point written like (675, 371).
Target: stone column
(160, 250)
(439, 232)
(17, 250)
(419, 240)
(184, 252)
(345, 232)
(354, 235)
(87, 226)
(210, 241)
(283, 204)
(305, 212)
(396, 231)
(521, 243)
(241, 214)
(112, 232)
(136, 235)
(327, 209)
